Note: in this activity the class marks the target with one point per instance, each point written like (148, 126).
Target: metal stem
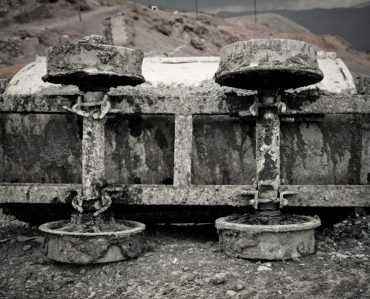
(268, 145)
(93, 170)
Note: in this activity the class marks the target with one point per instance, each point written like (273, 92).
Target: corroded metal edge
(49, 228)
(307, 223)
(193, 195)
(126, 103)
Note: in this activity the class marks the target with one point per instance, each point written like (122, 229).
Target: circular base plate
(267, 242)
(90, 248)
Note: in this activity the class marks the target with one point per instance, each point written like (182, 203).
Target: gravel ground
(185, 262)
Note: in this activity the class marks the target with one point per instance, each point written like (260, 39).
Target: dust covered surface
(185, 262)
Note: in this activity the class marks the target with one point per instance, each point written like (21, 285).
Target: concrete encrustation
(269, 66)
(92, 235)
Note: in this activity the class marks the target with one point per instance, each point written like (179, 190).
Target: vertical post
(93, 139)
(183, 149)
(365, 155)
(268, 146)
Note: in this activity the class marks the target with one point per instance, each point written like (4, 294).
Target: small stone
(280, 292)
(26, 247)
(239, 287)
(341, 256)
(230, 293)
(263, 268)
(198, 43)
(57, 287)
(219, 278)
(130, 282)
(268, 265)
(82, 271)
(92, 295)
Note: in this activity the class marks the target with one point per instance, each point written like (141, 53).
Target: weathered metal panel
(326, 152)
(139, 149)
(40, 148)
(47, 148)
(223, 151)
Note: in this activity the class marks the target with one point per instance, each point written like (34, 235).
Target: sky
(215, 6)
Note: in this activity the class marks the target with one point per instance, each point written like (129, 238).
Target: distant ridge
(362, 5)
(277, 22)
(353, 23)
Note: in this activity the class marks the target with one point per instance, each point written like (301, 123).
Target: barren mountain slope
(156, 32)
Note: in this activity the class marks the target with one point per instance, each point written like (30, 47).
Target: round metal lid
(93, 65)
(268, 63)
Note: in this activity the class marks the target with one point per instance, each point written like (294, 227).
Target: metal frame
(182, 192)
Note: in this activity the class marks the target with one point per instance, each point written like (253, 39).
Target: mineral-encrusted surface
(268, 63)
(92, 65)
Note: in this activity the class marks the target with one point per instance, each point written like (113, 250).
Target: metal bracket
(253, 202)
(283, 201)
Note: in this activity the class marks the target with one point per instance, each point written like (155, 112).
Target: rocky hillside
(28, 27)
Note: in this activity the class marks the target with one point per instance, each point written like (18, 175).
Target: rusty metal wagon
(181, 147)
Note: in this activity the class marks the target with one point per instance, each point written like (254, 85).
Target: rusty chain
(77, 108)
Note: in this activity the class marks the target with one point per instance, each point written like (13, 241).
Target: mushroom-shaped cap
(268, 63)
(93, 65)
